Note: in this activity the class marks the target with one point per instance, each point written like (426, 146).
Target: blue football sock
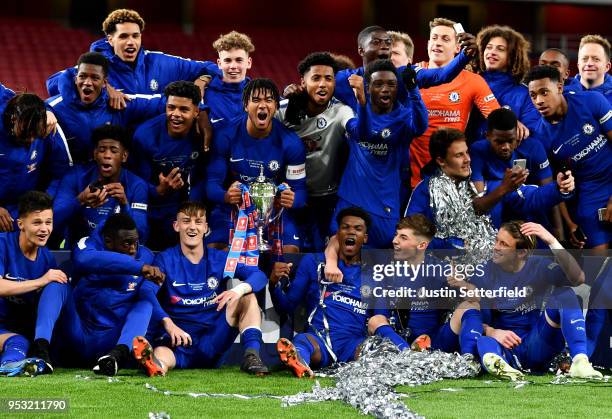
(471, 331)
(386, 331)
(488, 345)
(595, 321)
(15, 349)
(304, 347)
(136, 322)
(50, 305)
(251, 339)
(564, 309)
(572, 327)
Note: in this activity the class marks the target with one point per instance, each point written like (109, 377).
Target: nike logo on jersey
(475, 332)
(555, 151)
(13, 278)
(212, 121)
(235, 160)
(576, 321)
(176, 284)
(295, 237)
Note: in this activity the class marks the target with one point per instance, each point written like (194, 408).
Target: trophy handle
(272, 219)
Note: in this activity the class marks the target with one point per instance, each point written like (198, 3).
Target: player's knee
(166, 356)
(375, 322)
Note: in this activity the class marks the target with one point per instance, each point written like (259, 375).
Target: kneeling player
(26, 268)
(199, 318)
(517, 334)
(337, 323)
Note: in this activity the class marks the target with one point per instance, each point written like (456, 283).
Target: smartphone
(96, 186)
(601, 212)
(579, 234)
(458, 28)
(520, 163)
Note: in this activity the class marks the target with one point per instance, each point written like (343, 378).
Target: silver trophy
(262, 194)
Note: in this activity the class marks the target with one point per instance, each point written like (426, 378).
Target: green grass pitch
(128, 397)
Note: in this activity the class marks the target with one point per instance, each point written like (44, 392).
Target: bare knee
(375, 322)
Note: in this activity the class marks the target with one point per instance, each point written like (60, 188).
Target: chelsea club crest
(385, 133)
(153, 85)
(588, 129)
(212, 282)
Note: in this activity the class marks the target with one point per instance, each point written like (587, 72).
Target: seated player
(424, 323)
(320, 121)
(465, 219)
(224, 94)
(242, 148)
(170, 159)
(371, 179)
(26, 268)
(89, 194)
(338, 316)
(29, 160)
(83, 104)
(197, 319)
(576, 130)
(112, 301)
(491, 157)
(518, 334)
(132, 68)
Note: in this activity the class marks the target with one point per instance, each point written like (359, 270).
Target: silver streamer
(368, 383)
(211, 395)
(158, 415)
(454, 216)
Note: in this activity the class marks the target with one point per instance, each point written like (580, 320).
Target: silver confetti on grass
(368, 383)
(211, 395)
(158, 415)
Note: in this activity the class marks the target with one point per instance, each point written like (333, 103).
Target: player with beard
(27, 267)
(576, 129)
(170, 159)
(29, 159)
(463, 218)
(320, 121)
(593, 66)
(518, 334)
(197, 319)
(224, 95)
(337, 323)
(83, 105)
(133, 69)
(88, 194)
(242, 148)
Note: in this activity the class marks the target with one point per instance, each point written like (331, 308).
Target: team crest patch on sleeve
(489, 98)
(153, 85)
(606, 117)
(321, 123)
(454, 97)
(295, 172)
(588, 129)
